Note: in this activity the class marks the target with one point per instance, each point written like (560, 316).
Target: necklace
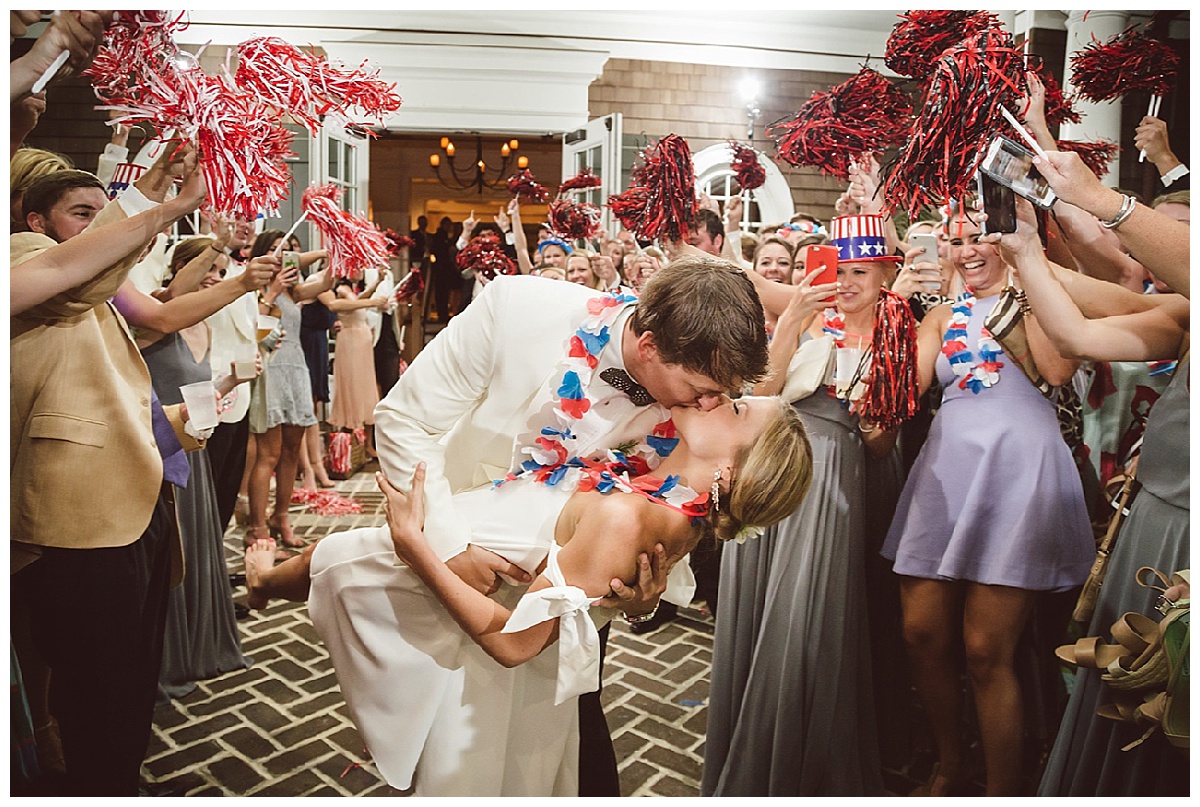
(552, 456)
(972, 375)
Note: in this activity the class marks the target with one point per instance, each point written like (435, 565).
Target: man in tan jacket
(94, 542)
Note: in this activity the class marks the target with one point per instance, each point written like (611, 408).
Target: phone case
(821, 258)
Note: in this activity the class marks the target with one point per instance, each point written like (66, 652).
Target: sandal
(284, 535)
(1090, 651)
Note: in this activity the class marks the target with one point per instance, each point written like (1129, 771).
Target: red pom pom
(922, 36)
(1128, 62)
(862, 115)
(892, 391)
(582, 181)
(397, 242)
(1096, 155)
(573, 220)
(523, 186)
(1058, 107)
(485, 255)
(410, 286)
(747, 170)
(308, 87)
(970, 84)
(353, 243)
(661, 199)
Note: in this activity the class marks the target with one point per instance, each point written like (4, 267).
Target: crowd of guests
(1051, 361)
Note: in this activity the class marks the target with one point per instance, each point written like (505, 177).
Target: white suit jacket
(236, 322)
(473, 389)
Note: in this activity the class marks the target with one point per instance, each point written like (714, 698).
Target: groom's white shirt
(471, 392)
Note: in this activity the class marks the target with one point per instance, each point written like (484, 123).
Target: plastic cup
(201, 400)
(266, 324)
(243, 359)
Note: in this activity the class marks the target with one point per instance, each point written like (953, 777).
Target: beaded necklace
(973, 375)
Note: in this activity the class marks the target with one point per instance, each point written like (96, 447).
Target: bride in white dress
(464, 694)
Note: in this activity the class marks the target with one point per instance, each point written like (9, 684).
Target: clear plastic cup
(266, 324)
(243, 359)
(201, 400)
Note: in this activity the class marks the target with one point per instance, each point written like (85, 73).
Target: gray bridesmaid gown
(790, 707)
(201, 639)
(1087, 759)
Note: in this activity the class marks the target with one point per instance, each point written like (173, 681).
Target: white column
(1100, 121)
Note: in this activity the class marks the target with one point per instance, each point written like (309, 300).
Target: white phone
(929, 253)
(1011, 164)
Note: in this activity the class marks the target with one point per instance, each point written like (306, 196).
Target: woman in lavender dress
(992, 514)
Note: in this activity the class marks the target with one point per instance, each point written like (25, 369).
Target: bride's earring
(716, 490)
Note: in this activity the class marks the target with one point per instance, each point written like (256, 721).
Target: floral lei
(972, 375)
(834, 324)
(551, 458)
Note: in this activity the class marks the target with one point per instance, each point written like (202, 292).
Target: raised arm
(1158, 242)
(143, 311)
(1155, 333)
(520, 243)
(188, 278)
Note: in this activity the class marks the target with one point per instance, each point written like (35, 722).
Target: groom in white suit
(466, 405)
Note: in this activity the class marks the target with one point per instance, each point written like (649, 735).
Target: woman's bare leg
(993, 619)
(265, 581)
(931, 624)
(285, 480)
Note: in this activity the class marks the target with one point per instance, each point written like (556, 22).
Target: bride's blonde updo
(770, 478)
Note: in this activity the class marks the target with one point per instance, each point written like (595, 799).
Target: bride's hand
(405, 512)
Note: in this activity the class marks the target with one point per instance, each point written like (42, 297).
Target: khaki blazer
(85, 469)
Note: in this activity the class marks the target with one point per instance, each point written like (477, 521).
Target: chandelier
(476, 174)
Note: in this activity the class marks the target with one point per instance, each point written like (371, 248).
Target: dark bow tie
(619, 379)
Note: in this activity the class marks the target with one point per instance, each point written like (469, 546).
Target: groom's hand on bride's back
(641, 598)
(481, 569)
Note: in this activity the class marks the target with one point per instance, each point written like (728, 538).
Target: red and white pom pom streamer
(573, 220)
(397, 242)
(308, 87)
(747, 170)
(327, 502)
(582, 181)
(353, 243)
(523, 186)
(485, 255)
(661, 199)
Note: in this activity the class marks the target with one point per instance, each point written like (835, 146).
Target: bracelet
(635, 620)
(861, 430)
(1126, 210)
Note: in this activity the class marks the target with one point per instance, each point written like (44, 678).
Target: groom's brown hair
(705, 316)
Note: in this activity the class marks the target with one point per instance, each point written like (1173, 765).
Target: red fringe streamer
(892, 391)
(308, 87)
(661, 199)
(862, 115)
(412, 286)
(746, 168)
(961, 115)
(1129, 62)
(1059, 109)
(327, 502)
(485, 255)
(397, 242)
(922, 36)
(353, 243)
(523, 186)
(1096, 154)
(582, 181)
(573, 220)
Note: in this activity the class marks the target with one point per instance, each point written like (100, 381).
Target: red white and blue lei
(973, 375)
(551, 457)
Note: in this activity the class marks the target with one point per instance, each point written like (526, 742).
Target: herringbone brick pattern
(280, 727)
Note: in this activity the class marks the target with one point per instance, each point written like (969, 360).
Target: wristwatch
(634, 620)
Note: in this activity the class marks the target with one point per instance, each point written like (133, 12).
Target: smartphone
(1011, 164)
(928, 242)
(821, 258)
(289, 258)
(999, 203)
